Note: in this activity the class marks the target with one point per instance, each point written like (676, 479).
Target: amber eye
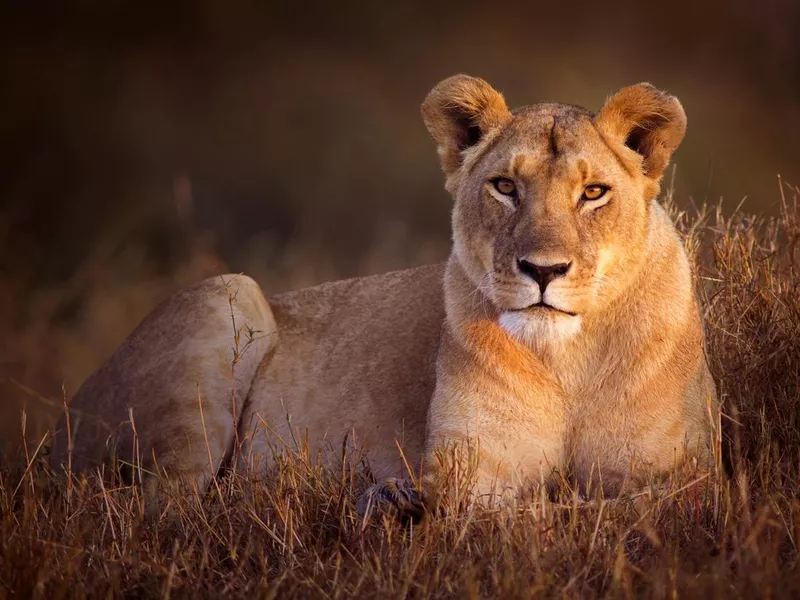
(594, 192)
(505, 186)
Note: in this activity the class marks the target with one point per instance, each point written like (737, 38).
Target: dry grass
(294, 531)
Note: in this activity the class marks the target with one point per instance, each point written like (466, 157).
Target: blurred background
(144, 146)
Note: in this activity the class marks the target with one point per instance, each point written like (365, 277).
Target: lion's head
(552, 202)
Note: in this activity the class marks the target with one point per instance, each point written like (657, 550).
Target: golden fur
(597, 375)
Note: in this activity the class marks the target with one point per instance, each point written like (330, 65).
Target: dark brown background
(144, 146)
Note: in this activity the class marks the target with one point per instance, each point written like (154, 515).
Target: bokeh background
(144, 146)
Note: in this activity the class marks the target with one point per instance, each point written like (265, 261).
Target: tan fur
(615, 387)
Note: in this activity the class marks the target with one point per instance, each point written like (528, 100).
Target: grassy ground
(296, 532)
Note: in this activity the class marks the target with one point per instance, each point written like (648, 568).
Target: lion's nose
(543, 274)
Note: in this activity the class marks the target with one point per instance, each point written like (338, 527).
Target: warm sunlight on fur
(561, 341)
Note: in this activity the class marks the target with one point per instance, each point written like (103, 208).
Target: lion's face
(548, 221)
(551, 202)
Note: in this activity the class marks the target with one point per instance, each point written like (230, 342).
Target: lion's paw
(393, 496)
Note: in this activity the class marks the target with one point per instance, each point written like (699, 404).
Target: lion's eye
(505, 186)
(594, 192)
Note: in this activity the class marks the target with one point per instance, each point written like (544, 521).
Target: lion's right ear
(458, 113)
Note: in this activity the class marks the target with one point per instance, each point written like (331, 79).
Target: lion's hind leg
(168, 401)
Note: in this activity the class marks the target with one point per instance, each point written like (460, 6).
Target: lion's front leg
(463, 470)
(490, 467)
(490, 437)
(453, 476)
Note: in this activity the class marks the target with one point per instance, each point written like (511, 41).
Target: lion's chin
(532, 327)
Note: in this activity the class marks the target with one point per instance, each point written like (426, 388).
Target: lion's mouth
(545, 307)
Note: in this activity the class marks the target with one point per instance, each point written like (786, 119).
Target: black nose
(543, 275)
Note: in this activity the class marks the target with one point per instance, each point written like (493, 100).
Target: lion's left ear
(648, 121)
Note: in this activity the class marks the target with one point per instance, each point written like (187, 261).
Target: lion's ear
(648, 121)
(458, 113)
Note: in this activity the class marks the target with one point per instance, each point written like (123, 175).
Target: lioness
(562, 338)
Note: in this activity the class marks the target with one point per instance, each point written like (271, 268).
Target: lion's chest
(606, 423)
